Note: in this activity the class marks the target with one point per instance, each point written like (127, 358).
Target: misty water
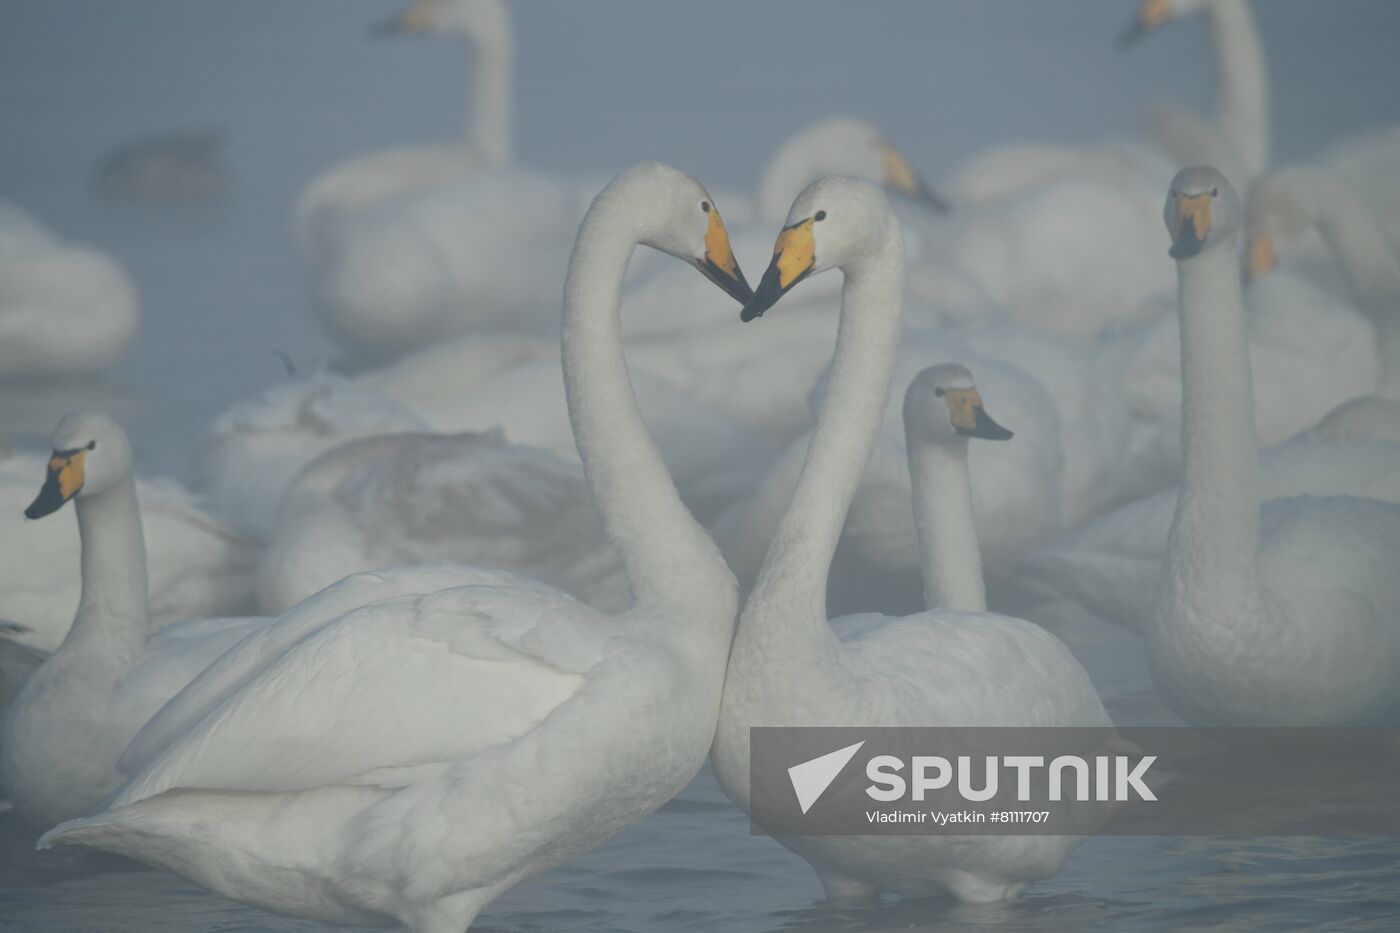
(710, 87)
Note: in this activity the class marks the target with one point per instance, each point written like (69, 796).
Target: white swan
(66, 310)
(74, 715)
(788, 666)
(361, 181)
(454, 745)
(1238, 137)
(1286, 615)
(198, 565)
(411, 498)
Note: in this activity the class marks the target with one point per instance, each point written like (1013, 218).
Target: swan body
(1285, 615)
(66, 310)
(555, 725)
(790, 666)
(198, 565)
(75, 713)
(1109, 567)
(256, 447)
(475, 499)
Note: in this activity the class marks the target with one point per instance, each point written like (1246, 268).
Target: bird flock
(498, 584)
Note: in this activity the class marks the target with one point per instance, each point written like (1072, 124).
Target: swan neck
(951, 560)
(1242, 105)
(669, 559)
(791, 586)
(1212, 554)
(490, 125)
(112, 616)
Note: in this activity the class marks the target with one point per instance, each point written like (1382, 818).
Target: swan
(366, 179)
(789, 666)
(1285, 615)
(553, 726)
(409, 498)
(66, 310)
(70, 721)
(1239, 138)
(198, 565)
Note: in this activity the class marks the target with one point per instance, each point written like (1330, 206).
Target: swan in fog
(198, 566)
(75, 714)
(790, 667)
(1238, 138)
(66, 310)
(541, 713)
(1285, 615)
(401, 499)
(362, 181)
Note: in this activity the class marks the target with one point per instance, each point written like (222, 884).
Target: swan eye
(92, 445)
(705, 206)
(820, 215)
(1215, 192)
(938, 392)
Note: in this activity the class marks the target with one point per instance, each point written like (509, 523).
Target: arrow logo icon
(810, 779)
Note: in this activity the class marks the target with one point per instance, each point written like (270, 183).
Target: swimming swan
(789, 666)
(1285, 615)
(73, 717)
(452, 745)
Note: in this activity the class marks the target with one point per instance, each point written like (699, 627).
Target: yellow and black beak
(64, 479)
(1151, 14)
(794, 256)
(718, 264)
(1262, 257)
(1191, 225)
(416, 19)
(901, 176)
(970, 419)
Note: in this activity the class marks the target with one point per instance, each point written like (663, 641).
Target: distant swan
(1285, 615)
(452, 745)
(66, 310)
(790, 666)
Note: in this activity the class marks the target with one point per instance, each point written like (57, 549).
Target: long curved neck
(1211, 568)
(784, 620)
(669, 559)
(1363, 249)
(952, 562)
(1242, 99)
(112, 617)
(490, 126)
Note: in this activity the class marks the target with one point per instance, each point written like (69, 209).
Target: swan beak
(1191, 226)
(719, 265)
(418, 18)
(794, 256)
(1262, 257)
(970, 418)
(901, 176)
(64, 479)
(1151, 14)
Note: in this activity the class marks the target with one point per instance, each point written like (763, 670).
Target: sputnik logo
(810, 779)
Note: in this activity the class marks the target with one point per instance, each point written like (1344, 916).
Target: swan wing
(397, 686)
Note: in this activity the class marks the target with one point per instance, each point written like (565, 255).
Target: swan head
(1281, 210)
(1154, 13)
(942, 404)
(831, 225)
(840, 146)
(91, 453)
(676, 215)
(478, 20)
(1202, 212)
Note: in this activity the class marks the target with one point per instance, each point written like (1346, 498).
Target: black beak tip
(1131, 36)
